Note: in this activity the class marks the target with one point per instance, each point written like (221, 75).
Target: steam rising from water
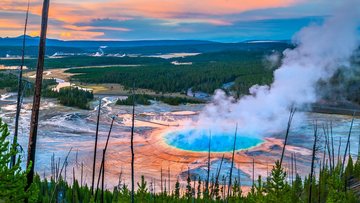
(321, 50)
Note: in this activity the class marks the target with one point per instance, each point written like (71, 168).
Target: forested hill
(207, 73)
(12, 46)
(34, 41)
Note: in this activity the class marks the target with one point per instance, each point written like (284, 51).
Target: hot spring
(193, 140)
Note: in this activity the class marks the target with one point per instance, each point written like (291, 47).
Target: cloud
(105, 19)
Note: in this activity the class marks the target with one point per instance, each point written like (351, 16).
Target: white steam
(321, 50)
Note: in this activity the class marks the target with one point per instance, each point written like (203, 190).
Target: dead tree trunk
(95, 148)
(232, 164)
(169, 186)
(37, 95)
(217, 177)
(253, 173)
(292, 112)
(332, 146)
(327, 137)
(208, 168)
(132, 148)
(292, 169)
(102, 166)
(325, 147)
(161, 181)
(295, 165)
(312, 162)
(19, 95)
(59, 174)
(339, 148)
(82, 172)
(347, 144)
(359, 148)
(103, 177)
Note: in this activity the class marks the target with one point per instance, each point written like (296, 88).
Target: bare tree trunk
(292, 168)
(332, 146)
(359, 148)
(292, 112)
(327, 137)
(217, 176)
(95, 148)
(37, 95)
(239, 177)
(295, 165)
(208, 167)
(312, 161)
(347, 144)
(102, 166)
(325, 148)
(169, 180)
(76, 157)
(103, 177)
(19, 95)
(232, 164)
(339, 159)
(57, 170)
(66, 164)
(73, 188)
(161, 181)
(253, 173)
(53, 166)
(82, 172)
(59, 173)
(319, 192)
(132, 148)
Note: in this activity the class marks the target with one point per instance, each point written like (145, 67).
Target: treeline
(334, 183)
(164, 78)
(76, 97)
(67, 96)
(208, 72)
(330, 187)
(144, 99)
(8, 82)
(81, 61)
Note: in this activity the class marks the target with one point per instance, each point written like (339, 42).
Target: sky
(215, 20)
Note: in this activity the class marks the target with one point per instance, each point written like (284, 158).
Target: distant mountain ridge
(34, 41)
(12, 46)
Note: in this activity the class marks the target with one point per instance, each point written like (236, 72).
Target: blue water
(193, 140)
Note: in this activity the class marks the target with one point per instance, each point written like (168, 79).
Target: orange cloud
(77, 35)
(171, 9)
(84, 28)
(80, 11)
(68, 13)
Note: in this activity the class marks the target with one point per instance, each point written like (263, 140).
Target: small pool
(193, 140)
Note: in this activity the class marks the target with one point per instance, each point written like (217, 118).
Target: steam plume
(320, 51)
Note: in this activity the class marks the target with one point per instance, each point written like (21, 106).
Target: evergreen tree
(296, 189)
(142, 190)
(199, 189)
(177, 189)
(277, 188)
(188, 187)
(13, 180)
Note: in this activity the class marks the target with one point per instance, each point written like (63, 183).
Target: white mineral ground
(63, 127)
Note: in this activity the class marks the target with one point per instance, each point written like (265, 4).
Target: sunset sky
(217, 20)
